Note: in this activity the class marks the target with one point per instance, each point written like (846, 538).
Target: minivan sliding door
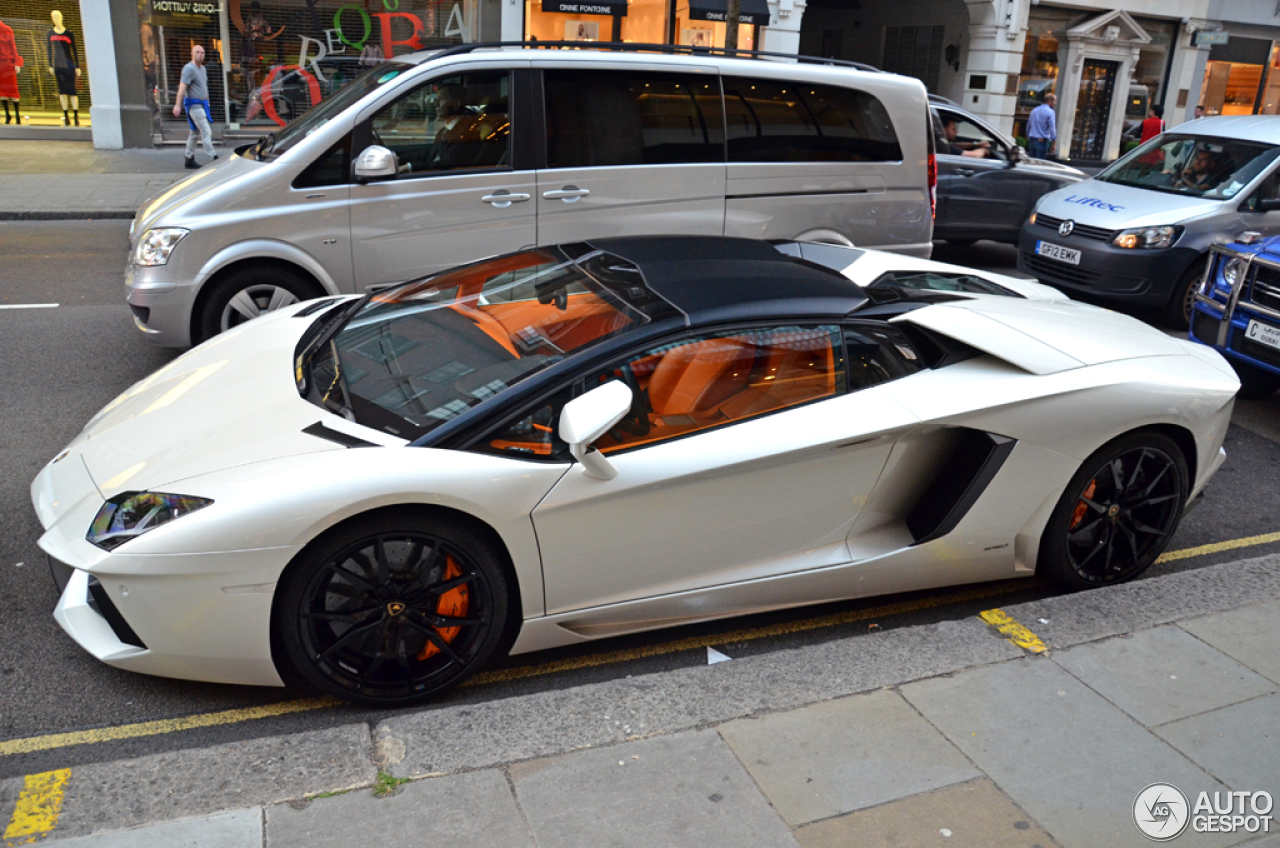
(630, 152)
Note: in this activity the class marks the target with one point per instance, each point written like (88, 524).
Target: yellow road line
(1013, 631)
(155, 728)
(1218, 547)
(38, 807)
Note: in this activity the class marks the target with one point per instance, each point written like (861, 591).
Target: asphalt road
(60, 364)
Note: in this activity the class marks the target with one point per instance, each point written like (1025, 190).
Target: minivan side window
(781, 121)
(333, 167)
(599, 118)
(457, 123)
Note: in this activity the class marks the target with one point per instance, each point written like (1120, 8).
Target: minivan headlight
(130, 514)
(155, 245)
(1147, 237)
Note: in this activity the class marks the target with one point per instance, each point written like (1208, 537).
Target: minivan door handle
(965, 172)
(568, 194)
(503, 198)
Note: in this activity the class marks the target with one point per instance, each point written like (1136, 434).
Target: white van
(1139, 232)
(441, 158)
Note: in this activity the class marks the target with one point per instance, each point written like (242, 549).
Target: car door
(631, 152)
(978, 197)
(463, 190)
(747, 455)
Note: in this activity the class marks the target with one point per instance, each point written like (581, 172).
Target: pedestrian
(1042, 128)
(1199, 111)
(193, 97)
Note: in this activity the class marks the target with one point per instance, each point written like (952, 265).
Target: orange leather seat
(695, 379)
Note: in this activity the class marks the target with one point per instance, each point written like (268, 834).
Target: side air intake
(960, 481)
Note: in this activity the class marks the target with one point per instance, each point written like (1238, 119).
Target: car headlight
(1234, 272)
(155, 246)
(1147, 237)
(130, 514)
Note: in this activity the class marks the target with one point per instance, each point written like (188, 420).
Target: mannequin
(64, 65)
(10, 67)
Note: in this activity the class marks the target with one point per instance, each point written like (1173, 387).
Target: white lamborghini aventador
(598, 438)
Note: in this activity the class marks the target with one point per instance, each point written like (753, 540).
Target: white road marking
(714, 656)
(28, 306)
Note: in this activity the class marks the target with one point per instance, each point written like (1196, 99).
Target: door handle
(965, 172)
(568, 194)
(503, 198)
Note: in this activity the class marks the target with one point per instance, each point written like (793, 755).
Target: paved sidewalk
(942, 734)
(70, 179)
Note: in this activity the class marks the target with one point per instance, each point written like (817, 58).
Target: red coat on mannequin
(10, 61)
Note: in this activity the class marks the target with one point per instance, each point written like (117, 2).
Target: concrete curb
(84, 215)
(162, 787)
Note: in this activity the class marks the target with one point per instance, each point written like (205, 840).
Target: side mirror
(587, 418)
(376, 163)
(1268, 204)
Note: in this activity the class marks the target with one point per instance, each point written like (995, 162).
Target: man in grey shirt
(193, 96)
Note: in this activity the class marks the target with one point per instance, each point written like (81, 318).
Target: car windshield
(420, 354)
(317, 117)
(1213, 168)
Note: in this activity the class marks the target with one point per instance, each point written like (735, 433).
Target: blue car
(1237, 310)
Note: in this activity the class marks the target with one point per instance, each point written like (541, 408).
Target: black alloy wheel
(1117, 513)
(393, 612)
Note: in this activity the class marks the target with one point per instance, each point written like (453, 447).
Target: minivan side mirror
(376, 162)
(1268, 204)
(585, 419)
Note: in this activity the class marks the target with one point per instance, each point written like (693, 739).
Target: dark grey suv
(987, 185)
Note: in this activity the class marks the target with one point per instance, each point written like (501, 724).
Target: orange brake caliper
(1077, 515)
(453, 603)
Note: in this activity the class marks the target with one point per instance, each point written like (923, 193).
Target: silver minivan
(437, 159)
(1139, 231)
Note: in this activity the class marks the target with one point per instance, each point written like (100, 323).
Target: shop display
(44, 72)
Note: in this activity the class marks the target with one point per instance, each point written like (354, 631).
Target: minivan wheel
(247, 293)
(1178, 312)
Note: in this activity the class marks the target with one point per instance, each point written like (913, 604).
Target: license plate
(1058, 252)
(1263, 334)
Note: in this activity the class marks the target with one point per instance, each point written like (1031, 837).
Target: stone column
(513, 20)
(113, 51)
(997, 33)
(783, 32)
(1186, 73)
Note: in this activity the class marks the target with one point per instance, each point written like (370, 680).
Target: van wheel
(1178, 312)
(247, 293)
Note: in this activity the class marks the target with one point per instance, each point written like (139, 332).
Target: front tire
(246, 293)
(393, 610)
(1177, 313)
(1117, 514)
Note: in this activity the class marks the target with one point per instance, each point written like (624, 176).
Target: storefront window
(44, 76)
(284, 56)
(1234, 77)
(1148, 81)
(697, 23)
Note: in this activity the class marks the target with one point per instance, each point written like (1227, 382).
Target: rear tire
(1177, 313)
(393, 610)
(1117, 513)
(1255, 383)
(248, 292)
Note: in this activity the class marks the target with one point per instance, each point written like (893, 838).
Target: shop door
(1093, 109)
(631, 153)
